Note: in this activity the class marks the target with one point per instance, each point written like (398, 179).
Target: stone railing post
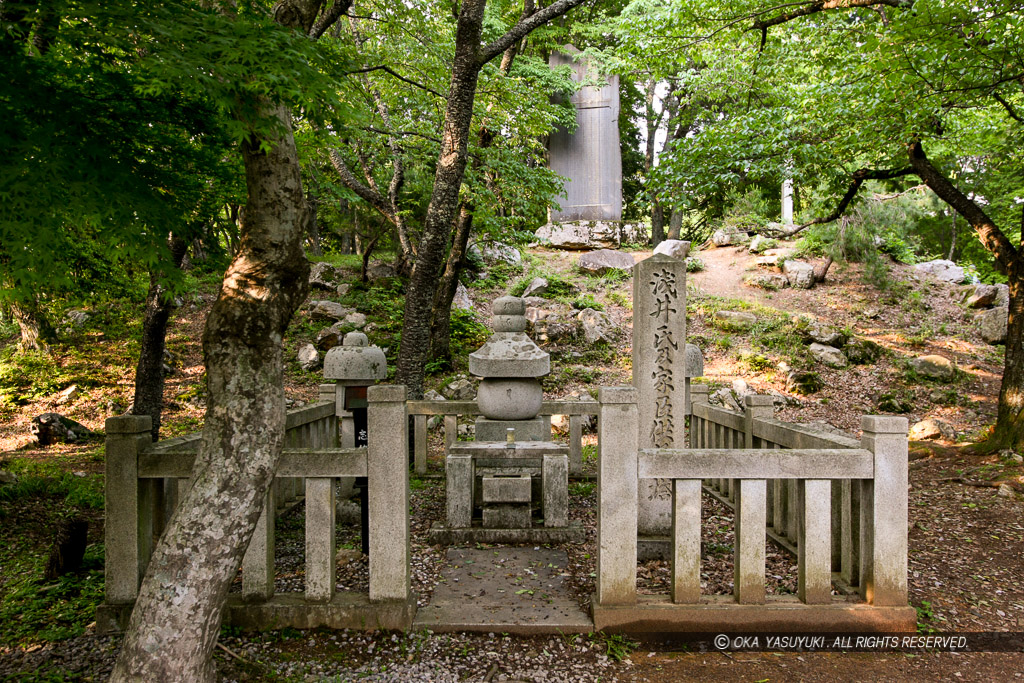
(388, 480)
(128, 526)
(617, 496)
(759, 408)
(883, 526)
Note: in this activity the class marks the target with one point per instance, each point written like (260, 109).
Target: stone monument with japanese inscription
(659, 362)
(589, 213)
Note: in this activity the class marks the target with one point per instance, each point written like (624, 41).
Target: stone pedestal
(535, 429)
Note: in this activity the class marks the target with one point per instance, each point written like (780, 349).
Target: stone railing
(451, 410)
(737, 455)
(138, 473)
(712, 427)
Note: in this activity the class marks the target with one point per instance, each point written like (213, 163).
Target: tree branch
(991, 236)
(858, 178)
(348, 179)
(329, 16)
(820, 6)
(1008, 107)
(389, 70)
(523, 28)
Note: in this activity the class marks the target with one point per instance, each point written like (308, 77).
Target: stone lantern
(353, 366)
(510, 365)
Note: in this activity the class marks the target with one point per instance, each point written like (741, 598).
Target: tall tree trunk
(470, 57)
(1009, 429)
(36, 331)
(440, 325)
(437, 226)
(149, 375)
(675, 224)
(657, 222)
(177, 616)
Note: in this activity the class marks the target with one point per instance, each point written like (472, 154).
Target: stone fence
(780, 479)
(143, 481)
(451, 410)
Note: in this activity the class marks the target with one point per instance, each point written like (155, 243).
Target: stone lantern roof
(355, 359)
(509, 352)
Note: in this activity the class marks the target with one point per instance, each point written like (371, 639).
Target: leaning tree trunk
(675, 224)
(177, 616)
(1009, 429)
(451, 166)
(149, 373)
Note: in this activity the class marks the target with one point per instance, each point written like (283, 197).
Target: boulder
(929, 429)
(722, 238)
(356, 319)
(50, 428)
(601, 261)
(76, 318)
(380, 270)
(735, 319)
(323, 275)
(803, 383)
(343, 289)
(741, 390)
(597, 326)
(329, 337)
(555, 331)
(816, 332)
(308, 357)
(761, 243)
(772, 258)
(538, 287)
(68, 395)
(891, 402)
(1002, 295)
(982, 296)
(934, 367)
(581, 235)
(496, 252)
(327, 310)
(780, 400)
(829, 355)
(7, 477)
(459, 389)
(861, 351)
(993, 325)
(799, 273)
(723, 397)
(677, 249)
(942, 270)
(765, 280)
(462, 300)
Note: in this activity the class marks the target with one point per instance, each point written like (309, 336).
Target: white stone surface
(799, 273)
(677, 249)
(601, 261)
(943, 270)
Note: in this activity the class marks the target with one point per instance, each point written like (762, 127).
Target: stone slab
(657, 614)
(535, 429)
(506, 516)
(506, 489)
(441, 535)
(508, 590)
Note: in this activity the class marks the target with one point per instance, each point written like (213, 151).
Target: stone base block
(535, 429)
(346, 610)
(653, 548)
(535, 535)
(507, 489)
(658, 615)
(507, 516)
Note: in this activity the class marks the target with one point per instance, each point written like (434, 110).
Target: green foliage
(40, 479)
(694, 264)
(582, 488)
(756, 362)
(468, 333)
(617, 647)
(34, 609)
(559, 287)
(587, 301)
